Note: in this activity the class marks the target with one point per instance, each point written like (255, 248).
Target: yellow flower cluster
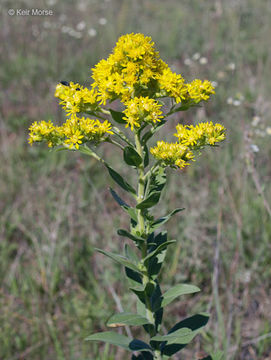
(73, 132)
(200, 90)
(43, 130)
(141, 109)
(171, 84)
(128, 70)
(200, 135)
(172, 154)
(190, 138)
(136, 69)
(76, 98)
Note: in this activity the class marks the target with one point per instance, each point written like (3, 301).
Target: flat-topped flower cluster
(135, 75)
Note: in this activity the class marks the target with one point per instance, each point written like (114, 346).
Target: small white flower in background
(81, 26)
(102, 21)
(92, 32)
(214, 83)
(254, 148)
(268, 130)
(188, 62)
(230, 100)
(231, 66)
(203, 60)
(196, 56)
(236, 103)
(255, 120)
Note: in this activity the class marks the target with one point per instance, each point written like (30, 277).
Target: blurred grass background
(55, 207)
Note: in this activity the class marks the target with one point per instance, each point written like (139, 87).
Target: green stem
(142, 229)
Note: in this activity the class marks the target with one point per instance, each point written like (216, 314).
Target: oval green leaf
(112, 338)
(123, 319)
(150, 201)
(178, 290)
(131, 156)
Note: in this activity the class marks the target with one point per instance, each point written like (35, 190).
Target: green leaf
(131, 211)
(123, 232)
(117, 116)
(150, 201)
(140, 291)
(123, 319)
(112, 338)
(159, 222)
(121, 260)
(140, 307)
(132, 275)
(131, 156)
(159, 249)
(139, 345)
(194, 323)
(181, 336)
(156, 300)
(178, 290)
(119, 180)
(155, 263)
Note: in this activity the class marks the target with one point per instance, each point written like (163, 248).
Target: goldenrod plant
(136, 76)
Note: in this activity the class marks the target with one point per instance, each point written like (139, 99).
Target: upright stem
(141, 228)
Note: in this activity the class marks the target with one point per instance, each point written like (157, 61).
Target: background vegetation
(55, 207)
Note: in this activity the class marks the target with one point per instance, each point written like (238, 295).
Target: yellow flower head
(190, 138)
(73, 132)
(200, 135)
(76, 98)
(142, 109)
(199, 90)
(44, 131)
(172, 154)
